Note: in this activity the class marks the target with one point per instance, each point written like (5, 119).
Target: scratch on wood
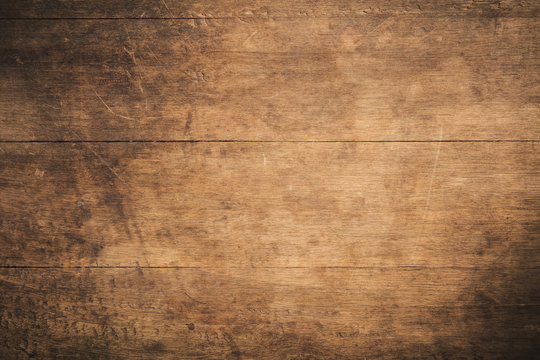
(100, 158)
(249, 37)
(131, 55)
(193, 299)
(110, 110)
(383, 24)
(107, 165)
(167, 7)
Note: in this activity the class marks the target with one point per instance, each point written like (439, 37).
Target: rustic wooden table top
(248, 179)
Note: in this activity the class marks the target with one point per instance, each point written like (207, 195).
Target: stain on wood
(274, 313)
(254, 180)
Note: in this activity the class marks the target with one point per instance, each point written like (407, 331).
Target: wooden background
(310, 179)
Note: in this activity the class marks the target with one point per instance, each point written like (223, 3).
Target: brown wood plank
(288, 242)
(268, 313)
(270, 204)
(247, 9)
(404, 77)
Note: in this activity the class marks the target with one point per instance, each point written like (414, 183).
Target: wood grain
(407, 77)
(246, 179)
(270, 204)
(268, 313)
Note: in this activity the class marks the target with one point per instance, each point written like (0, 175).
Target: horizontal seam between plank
(114, 18)
(271, 141)
(404, 267)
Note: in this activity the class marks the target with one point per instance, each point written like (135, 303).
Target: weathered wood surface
(270, 204)
(403, 77)
(269, 314)
(289, 241)
(247, 9)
